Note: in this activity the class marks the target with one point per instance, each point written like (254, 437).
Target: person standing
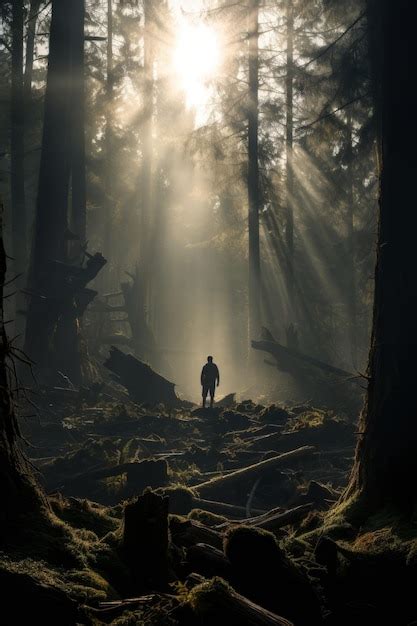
(209, 376)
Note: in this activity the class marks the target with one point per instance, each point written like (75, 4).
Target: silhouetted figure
(209, 376)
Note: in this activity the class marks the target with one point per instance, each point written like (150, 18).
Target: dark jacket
(210, 374)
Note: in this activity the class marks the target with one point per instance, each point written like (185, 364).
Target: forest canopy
(186, 118)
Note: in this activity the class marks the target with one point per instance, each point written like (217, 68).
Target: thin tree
(17, 149)
(108, 222)
(78, 196)
(253, 173)
(147, 145)
(350, 212)
(30, 48)
(289, 143)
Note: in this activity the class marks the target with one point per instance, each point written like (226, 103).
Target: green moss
(84, 515)
(180, 498)
(200, 597)
(206, 517)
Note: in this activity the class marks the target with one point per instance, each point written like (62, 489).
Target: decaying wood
(274, 519)
(290, 360)
(216, 599)
(145, 540)
(251, 472)
(142, 474)
(190, 532)
(204, 559)
(222, 508)
(142, 383)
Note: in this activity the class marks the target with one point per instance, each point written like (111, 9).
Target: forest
(207, 312)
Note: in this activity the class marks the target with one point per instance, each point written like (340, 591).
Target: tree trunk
(253, 174)
(78, 196)
(30, 47)
(56, 304)
(147, 150)
(351, 290)
(19, 493)
(289, 191)
(108, 221)
(17, 150)
(386, 460)
(52, 202)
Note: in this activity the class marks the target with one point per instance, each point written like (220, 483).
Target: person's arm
(217, 376)
(202, 377)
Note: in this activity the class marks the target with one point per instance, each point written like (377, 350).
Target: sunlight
(196, 60)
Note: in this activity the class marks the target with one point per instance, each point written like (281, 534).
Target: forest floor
(233, 510)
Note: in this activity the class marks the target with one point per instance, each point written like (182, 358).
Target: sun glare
(196, 61)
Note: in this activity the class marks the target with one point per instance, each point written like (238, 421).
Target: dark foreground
(190, 516)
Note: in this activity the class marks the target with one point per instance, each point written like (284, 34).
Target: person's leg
(205, 392)
(212, 388)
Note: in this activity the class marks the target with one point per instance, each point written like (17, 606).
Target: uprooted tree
(386, 460)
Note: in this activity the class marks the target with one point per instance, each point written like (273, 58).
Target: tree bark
(147, 152)
(55, 306)
(351, 291)
(30, 48)
(253, 174)
(78, 196)
(19, 493)
(17, 150)
(108, 221)
(289, 141)
(386, 460)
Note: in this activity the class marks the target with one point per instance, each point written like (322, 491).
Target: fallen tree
(292, 361)
(141, 382)
(216, 599)
(252, 472)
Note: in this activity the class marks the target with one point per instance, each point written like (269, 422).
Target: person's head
(209, 359)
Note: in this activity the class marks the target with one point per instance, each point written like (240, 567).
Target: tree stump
(145, 540)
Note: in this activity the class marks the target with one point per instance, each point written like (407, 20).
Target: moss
(180, 498)
(181, 474)
(206, 517)
(84, 515)
(200, 597)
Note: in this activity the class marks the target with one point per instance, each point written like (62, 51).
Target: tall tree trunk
(108, 221)
(17, 149)
(289, 141)
(147, 153)
(351, 290)
(253, 174)
(386, 460)
(78, 121)
(30, 48)
(19, 494)
(54, 174)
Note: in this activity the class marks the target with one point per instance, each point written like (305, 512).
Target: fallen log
(288, 358)
(215, 602)
(188, 532)
(141, 382)
(251, 472)
(274, 519)
(208, 561)
(148, 473)
(221, 508)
